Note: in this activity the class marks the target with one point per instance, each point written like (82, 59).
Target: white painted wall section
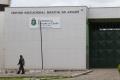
(63, 45)
(65, 48)
(21, 39)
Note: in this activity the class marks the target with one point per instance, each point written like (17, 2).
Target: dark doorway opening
(2, 7)
(104, 44)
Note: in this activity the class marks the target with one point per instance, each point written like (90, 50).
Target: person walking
(21, 64)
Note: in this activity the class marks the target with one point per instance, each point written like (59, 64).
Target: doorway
(104, 44)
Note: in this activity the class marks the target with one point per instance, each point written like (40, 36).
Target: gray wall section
(1, 41)
(5, 2)
(63, 48)
(104, 12)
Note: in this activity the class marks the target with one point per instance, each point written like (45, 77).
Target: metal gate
(104, 45)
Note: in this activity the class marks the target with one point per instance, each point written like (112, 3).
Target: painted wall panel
(63, 47)
(21, 39)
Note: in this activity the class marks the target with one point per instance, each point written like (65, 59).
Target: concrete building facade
(61, 37)
(3, 4)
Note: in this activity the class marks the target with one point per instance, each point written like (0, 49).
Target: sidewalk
(65, 74)
(100, 74)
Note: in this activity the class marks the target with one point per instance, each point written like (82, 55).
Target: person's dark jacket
(21, 62)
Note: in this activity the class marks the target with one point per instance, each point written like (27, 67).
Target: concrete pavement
(47, 73)
(100, 74)
(96, 74)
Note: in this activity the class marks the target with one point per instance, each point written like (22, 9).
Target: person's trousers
(21, 68)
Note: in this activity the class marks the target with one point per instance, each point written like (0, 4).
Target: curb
(83, 73)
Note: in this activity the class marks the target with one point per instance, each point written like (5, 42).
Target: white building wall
(1, 41)
(104, 12)
(63, 48)
(21, 39)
